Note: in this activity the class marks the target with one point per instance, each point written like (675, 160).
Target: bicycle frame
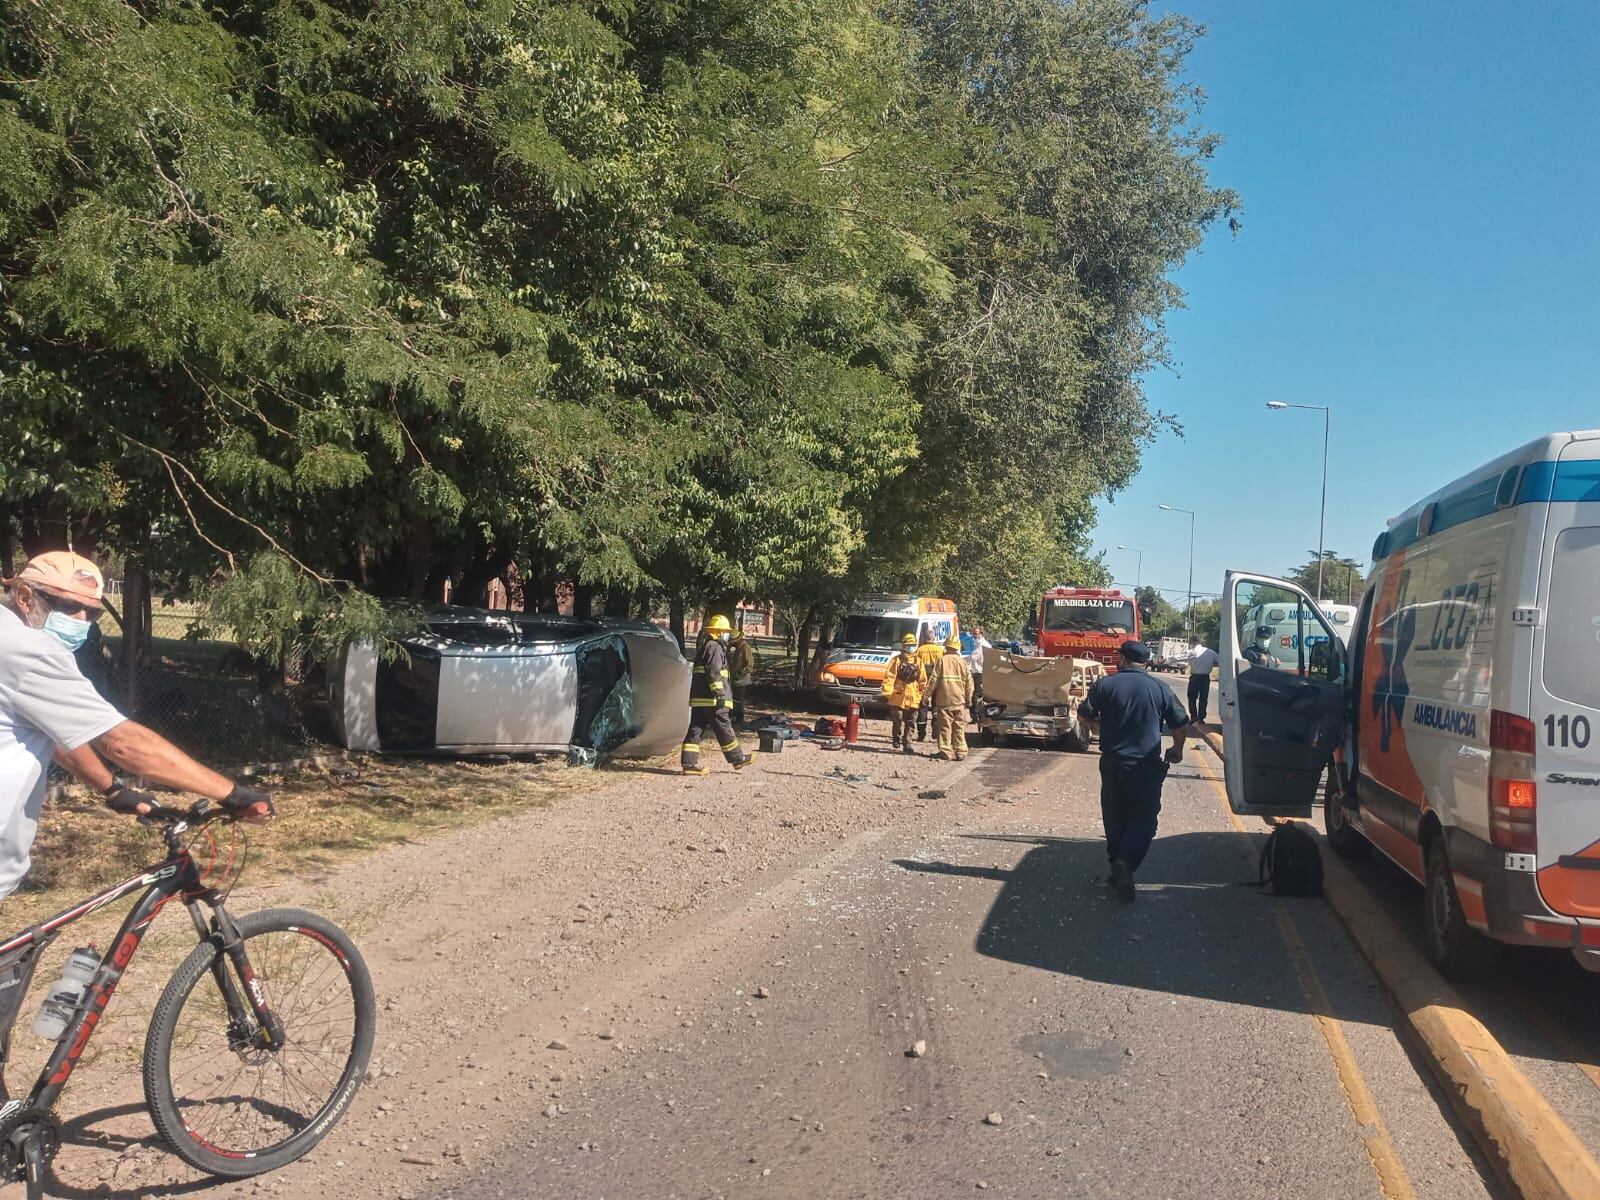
(176, 876)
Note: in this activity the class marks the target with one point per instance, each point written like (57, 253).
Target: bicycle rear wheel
(225, 1099)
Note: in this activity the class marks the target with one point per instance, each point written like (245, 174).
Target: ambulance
(1280, 623)
(1456, 733)
(869, 636)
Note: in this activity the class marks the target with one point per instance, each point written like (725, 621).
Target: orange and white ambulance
(869, 636)
(1465, 711)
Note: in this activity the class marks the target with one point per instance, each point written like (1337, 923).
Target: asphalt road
(1205, 1041)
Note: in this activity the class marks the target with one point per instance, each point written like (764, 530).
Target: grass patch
(324, 817)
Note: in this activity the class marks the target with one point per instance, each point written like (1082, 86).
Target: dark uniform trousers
(1130, 805)
(1199, 695)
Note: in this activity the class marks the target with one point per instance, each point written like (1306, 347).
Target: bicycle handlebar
(242, 804)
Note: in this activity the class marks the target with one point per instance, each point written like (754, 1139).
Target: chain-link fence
(196, 687)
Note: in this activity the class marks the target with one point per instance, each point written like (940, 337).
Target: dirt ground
(489, 942)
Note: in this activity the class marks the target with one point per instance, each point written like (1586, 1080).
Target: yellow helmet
(953, 642)
(719, 624)
(910, 639)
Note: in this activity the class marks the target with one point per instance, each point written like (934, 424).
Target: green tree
(1342, 579)
(1157, 617)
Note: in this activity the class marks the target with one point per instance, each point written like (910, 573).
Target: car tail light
(1513, 795)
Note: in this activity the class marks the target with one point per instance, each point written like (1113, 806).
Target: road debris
(918, 1049)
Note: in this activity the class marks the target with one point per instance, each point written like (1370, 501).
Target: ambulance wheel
(986, 735)
(1457, 949)
(1346, 840)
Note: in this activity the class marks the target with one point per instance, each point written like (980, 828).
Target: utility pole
(1171, 508)
(1138, 567)
(1322, 519)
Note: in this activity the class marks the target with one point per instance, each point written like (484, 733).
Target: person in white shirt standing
(1202, 659)
(975, 661)
(48, 709)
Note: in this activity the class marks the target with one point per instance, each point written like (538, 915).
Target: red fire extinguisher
(852, 721)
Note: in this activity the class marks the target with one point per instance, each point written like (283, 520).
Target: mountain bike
(257, 1046)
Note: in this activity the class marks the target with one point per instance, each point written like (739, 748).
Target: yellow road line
(1393, 1180)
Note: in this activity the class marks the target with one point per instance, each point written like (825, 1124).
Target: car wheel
(1347, 841)
(1457, 949)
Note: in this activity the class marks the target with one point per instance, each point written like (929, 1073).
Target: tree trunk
(803, 645)
(618, 603)
(582, 601)
(675, 620)
(136, 617)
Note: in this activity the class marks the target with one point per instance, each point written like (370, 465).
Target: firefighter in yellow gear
(950, 694)
(930, 652)
(711, 700)
(904, 680)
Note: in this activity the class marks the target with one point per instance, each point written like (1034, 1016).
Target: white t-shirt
(1201, 660)
(44, 702)
(975, 659)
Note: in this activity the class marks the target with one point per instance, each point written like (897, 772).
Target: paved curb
(1521, 1135)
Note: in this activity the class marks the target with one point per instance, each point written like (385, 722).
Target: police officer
(711, 700)
(1260, 654)
(1130, 708)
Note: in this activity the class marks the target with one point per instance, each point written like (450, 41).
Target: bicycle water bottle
(62, 999)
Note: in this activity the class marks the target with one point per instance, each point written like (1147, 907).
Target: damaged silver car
(481, 681)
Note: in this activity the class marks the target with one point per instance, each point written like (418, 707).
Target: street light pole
(1138, 569)
(1322, 518)
(1170, 508)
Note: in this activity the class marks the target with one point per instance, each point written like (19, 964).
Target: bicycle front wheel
(227, 1098)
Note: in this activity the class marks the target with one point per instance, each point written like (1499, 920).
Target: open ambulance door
(1283, 677)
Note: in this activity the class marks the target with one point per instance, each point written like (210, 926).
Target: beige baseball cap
(63, 573)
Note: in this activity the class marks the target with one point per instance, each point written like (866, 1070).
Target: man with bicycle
(48, 709)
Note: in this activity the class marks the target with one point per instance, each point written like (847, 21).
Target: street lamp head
(1277, 404)
(1120, 546)
(1167, 507)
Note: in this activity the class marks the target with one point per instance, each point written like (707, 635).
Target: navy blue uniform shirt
(1131, 707)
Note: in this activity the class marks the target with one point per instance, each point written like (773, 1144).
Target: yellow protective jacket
(904, 677)
(950, 685)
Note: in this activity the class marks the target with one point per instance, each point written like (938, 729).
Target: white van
(1462, 717)
(1279, 623)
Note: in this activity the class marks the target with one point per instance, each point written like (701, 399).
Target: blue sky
(1421, 252)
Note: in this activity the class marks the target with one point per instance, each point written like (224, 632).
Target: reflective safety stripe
(700, 670)
(726, 746)
(701, 702)
(695, 746)
(724, 672)
(724, 703)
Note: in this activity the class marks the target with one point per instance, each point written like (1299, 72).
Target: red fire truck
(1086, 623)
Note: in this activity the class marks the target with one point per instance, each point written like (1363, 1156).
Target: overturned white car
(480, 681)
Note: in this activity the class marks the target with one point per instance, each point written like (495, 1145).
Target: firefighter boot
(691, 759)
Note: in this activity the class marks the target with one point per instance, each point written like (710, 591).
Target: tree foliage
(1342, 579)
(311, 303)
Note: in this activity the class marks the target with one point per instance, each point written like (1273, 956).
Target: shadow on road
(1194, 930)
(1198, 930)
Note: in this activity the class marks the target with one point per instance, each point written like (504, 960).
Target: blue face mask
(71, 632)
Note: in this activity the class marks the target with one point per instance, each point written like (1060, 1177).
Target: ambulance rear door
(1565, 696)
